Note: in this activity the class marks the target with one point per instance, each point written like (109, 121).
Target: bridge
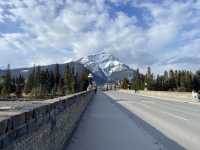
(110, 120)
(116, 121)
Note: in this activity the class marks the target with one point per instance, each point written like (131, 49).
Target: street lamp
(145, 84)
(90, 77)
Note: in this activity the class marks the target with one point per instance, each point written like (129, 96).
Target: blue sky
(162, 34)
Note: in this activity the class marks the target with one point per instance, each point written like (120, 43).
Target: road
(178, 121)
(116, 120)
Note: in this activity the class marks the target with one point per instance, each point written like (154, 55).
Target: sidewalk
(163, 97)
(105, 127)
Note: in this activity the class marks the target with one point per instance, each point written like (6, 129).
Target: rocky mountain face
(107, 67)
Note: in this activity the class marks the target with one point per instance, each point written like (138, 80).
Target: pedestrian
(95, 90)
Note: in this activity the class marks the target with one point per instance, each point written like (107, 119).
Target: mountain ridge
(106, 66)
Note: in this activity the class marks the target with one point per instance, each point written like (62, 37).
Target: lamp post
(90, 77)
(145, 84)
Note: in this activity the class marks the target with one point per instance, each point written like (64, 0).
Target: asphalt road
(105, 126)
(176, 125)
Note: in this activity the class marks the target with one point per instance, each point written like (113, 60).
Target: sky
(163, 34)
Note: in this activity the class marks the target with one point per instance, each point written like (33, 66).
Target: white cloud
(58, 30)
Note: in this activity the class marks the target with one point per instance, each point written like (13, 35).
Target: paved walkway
(105, 127)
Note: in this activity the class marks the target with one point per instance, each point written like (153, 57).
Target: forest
(172, 80)
(43, 83)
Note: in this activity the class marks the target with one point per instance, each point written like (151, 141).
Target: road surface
(116, 121)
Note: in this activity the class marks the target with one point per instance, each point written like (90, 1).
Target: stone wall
(44, 125)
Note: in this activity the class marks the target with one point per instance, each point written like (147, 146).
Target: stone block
(3, 126)
(18, 120)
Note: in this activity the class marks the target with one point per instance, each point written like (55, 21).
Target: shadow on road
(164, 140)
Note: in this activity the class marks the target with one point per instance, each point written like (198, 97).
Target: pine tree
(138, 81)
(84, 81)
(7, 85)
(30, 82)
(172, 81)
(69, 80)
(51, 83)
(43, 84)
(1, 84)
(196, 81)
(149, 79)
(188, 83)
(36, 83)
(61, 91)
(76, 83)
(125, 84)
(19, 84)
(57, 77)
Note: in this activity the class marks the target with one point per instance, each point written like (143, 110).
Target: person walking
(95, 90)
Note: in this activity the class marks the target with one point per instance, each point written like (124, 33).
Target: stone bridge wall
(45, 125)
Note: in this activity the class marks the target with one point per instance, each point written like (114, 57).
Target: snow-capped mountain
(106, 66)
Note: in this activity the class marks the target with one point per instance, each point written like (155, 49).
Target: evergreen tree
(57, 76)
(138, 81)
(178, 80)
(172, 81)
(51, 83)
(43, 84)
(61, 91)
(69, 80)
(84, 81)
(125, 84)
(166, 81)
(30, 82)
(76, 83)
(196, 81)
(36, 84)
(149, 79)
(188, 81)
(1, 84)
(19, 84)
(7, 85)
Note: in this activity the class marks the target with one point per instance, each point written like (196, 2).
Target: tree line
(42, 83)
(172, 80)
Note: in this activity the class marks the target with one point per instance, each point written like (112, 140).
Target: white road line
(164, 112)
(175, 116)
(177, 109)
(148, 102)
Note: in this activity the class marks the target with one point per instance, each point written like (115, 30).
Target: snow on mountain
(2, 67)
(25, 70)
(104, 65)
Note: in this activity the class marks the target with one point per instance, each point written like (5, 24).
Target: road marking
(164, 112)
(180, 109)
(176, 116)
(151, 102)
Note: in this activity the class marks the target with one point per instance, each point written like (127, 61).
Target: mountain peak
(104, 64)
(100, 58)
